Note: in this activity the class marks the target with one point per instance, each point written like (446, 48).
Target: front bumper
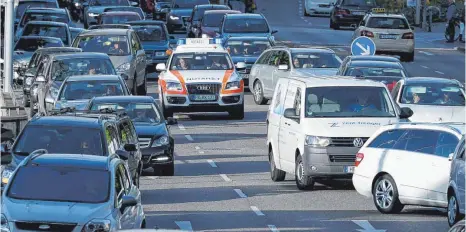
(184, 103)
(329, 162)
(152, 156)
(13, 227)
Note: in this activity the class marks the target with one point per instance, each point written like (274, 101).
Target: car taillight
(408, 35)
(391, 85)
(342, 12)
(367, 33)
(359, 158)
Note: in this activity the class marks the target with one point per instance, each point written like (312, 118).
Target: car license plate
(388, 36)
(244, 76)
(359, 12)
(200, 97)
(160, 53)
(349, 169)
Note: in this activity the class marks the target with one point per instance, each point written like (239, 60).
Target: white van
(316, 125)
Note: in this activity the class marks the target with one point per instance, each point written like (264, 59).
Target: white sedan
(318, 7)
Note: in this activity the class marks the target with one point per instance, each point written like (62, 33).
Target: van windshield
(354, 101)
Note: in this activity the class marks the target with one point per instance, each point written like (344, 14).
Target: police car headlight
(174, 86)
(29, 81)
(316, 141)
(233, 85)
(173, 17)
(160, 141)
(124, 67)
(7, 172)
(4, 227)
(205, 36)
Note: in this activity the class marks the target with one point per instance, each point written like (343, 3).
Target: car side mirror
(171, 121)
(274, 31)
(450, 156)
(240, 66)
(124, 155)
(130, 147)
(412, 28)
(40, 79)
(134, 4)
(283, 67)
(128, 201)
(160, 67)
(290, 113)
(405, 113)
(124, 76)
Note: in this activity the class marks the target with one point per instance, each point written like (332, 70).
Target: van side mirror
(290, 113)
(405, 113)
(124, 155)
(283, 67)
(450, 156)
(171, 121)
(128, 201)
(130, 147)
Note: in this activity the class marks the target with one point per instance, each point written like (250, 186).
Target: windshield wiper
(21, 153)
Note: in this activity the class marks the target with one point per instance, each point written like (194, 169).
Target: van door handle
(287, 124)
(292, 133)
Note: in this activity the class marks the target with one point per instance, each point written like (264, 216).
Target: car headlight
(29, 81)
(160, 141)
(316, 141)
(173, 17)
(93, 15)
(174, 86)
(54, 92)
(97, 225)
(204, 36)
(4, 227)
(6, 175)
(76, 4)
(16, 65)
(233, 85)
(124, 67)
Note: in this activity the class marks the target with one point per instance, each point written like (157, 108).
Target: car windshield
(109, 3)
(433, 94)
(316, 60)
(79, 90)
(246, 25)
(200, 11)
(60, 139)
(201, 61)
(119, 19)
(53, 17)
(61, 69)
(247, 47)
(374, 72)
(131, 9)
(387, 23)
(358, 3)
(212, 20)
(22, 6)
(111, 45)
(189, 3)
(354, 101)
(150, 33)
(138, 112)
(69, 184)
(46, 30)
(31, 45)
(75, 33)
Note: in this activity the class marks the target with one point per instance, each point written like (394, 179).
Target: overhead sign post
(363, 46)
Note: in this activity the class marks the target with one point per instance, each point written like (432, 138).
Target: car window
(77, 90)
(316, 60)
(132, 132)
(47, 30)
(297, 102)
(109, 3)
(124, 177)
(61, 69)
(188, 4)
(112, 142)
(274, 58)
(284, 58)
(134, 44)
(387, 23)
(396, 90)
(446, 144)
(264, 58)
(119, 19)
(374, 72)
(22, 6)
(247, 47)
(108, 44)
(150, 33)
(213, 19)
(433, 94)
(246, 25)
(119, 187)
(421, 141)
(358, 3)
(140, 113)
(201, 61)
(45, 16)
(124, 137)
(31, 45)
(387, 139)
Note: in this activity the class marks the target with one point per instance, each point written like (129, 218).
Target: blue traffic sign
(363, 46)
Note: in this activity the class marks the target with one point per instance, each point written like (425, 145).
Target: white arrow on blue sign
(363, 46)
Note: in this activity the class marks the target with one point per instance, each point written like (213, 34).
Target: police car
(200, 76)
(391, 34)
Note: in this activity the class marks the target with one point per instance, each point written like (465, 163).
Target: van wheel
(258, 92)
(275, 174)
(303, 182)
(453, 210)
(237, 112)
(385, 195)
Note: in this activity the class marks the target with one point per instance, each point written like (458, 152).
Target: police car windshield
(62, 69)
(44, 16)
(315, 60)
(22, 6)
(119, 19)
(47, 30)
(111, 45)
(109, 3)
(140, 113)
(150, 33)
(82, 90)
(433, 94)
(355, 101)
(374, 72)
(387, 23)
(59, 139)
(31, 45)
(201, 61)
(246, 25)
(69, 184)
(247, 47)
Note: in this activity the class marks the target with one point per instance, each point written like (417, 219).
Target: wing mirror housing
(130, 147)
(40, 79)
(128, 201)
(171, 121)
(406, 113)
(161, 67)
(124, 76)
(134, 4)
(283, 67)
(124, 155)
(274, 31)
(240, 66)
(290, 113)
(450, 156)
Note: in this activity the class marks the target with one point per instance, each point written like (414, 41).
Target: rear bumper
(398, 45)
(363, 185)
(348, 20)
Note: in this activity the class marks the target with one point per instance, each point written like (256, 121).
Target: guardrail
(14, 122)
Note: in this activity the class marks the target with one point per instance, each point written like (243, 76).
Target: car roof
(384, 15)
(36, 37)
(374, 63)
(77, 29)
(93, 78)
(47, 23)
(241, 38)
(212, 6)
(80, 55)
(413, 80)
(133, 99)
(120, 13)
(375, 58)
(23, 1)
(222, 12)
(456, 127)
(320, 50)
(145, 22)
(110, 32)
(58, 49)
(246, 15)
(42, 9)
(337, 81)
(72, 160)
(60, 120)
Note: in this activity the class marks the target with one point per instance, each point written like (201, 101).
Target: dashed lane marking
(341, 49)
(240, 193)
(273, 228)
(184, 225)
(212, 163)
(181, 127)
(257, 211)
(439, 72)
(189, 137)
(198, 148)
(201, 152)
(225, 178)
(426, 53)
(424, 66)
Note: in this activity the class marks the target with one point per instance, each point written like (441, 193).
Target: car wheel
(385, 195)
(135, 86)
(169, 169)
(275, 174)
(166, 112)
(306, 14)
(258, 93)
(237, 112)
(26, 101)
(142, 90)
(409, 57)
(303, 182)
(143, 224)
(453, 210)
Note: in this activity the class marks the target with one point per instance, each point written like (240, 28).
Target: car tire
(143, 224)
(334, 25)
(409, 57)
(275, 174)
(135, 86)
(167, 113)
(454, 215)
(26, 101)
(169, 169)
(258, 93)
(306, 14)
(303, 182)
(385, 187)
(142, 90)
(237, 112)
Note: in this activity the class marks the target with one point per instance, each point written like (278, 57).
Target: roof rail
(63, 110)
(36, 154)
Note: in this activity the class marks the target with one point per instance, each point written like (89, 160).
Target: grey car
(87, 192)
(43, 14)
(94, 8)
(456, 196)
(279, 62)
(124, 48)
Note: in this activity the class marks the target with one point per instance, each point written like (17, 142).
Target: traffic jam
(88, 70)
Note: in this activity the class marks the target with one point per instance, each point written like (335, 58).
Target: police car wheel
(303, 181)
(237, 112)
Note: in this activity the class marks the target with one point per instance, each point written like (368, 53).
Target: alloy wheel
(384, 194)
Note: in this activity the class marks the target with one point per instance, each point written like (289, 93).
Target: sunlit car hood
(315, 71)
(146, 129)
(78, 104)
(435, 113)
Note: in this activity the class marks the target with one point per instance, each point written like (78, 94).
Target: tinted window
(22, 6)
(189, 3)
(358, 3)
(201, 61)
(111, 45)
(69, 184)
(46, 30)
(31, 45)
(200, 11)
(109, 3)
(60, 139)
(388, 23)
(150, 33)
(446, 144)
(138, 112)
(433, 94)
(111, 139)
(77, 90)
(247, 47)
(124, 177)
(213, 20)
(264, 58)
(62, 69)
(246, 25)
(120, 19)
(374, 72)
(387, 139)
(130, 9)
(44, 16)
(316, 60)
(422, 141)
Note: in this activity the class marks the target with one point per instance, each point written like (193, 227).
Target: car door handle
(292, 133)
(287, 124)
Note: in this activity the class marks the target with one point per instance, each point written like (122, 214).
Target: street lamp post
(8, 40)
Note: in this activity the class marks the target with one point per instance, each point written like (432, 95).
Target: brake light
(342, 12)
(359, 158)
(367, 33)
(408, 35)
(391, 85)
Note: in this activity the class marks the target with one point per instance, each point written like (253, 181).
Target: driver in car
(216, 64)
(141, 116)
(116, 49)
(362, 104)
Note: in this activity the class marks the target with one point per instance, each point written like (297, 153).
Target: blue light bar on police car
(199, 41)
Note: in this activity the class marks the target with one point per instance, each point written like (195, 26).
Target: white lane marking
(366, 226)
(257, 211)
(273, 228)
(212, 163)
(201, 152)
(426, 53)
(302, 17)
(439, 72)
(189, 137)
(225, 178)
(181, 127)
(341, 49)
(424, 66)
(198, 148)
(240, 193)
(184, 225)
(151, 177)
(306, 20)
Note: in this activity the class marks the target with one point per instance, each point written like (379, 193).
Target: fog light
(161, 158)
(313, 168)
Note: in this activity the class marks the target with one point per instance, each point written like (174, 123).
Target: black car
(44, 14)
(194, 22)
(155, 140)
(74, 133)
(137, 10)
(179, 14)
(350, 12)
(162, 7)
(25, 4)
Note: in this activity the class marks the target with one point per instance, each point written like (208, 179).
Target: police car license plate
(359, 13)
(349, 169)
(204, 97)
(385, 36)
